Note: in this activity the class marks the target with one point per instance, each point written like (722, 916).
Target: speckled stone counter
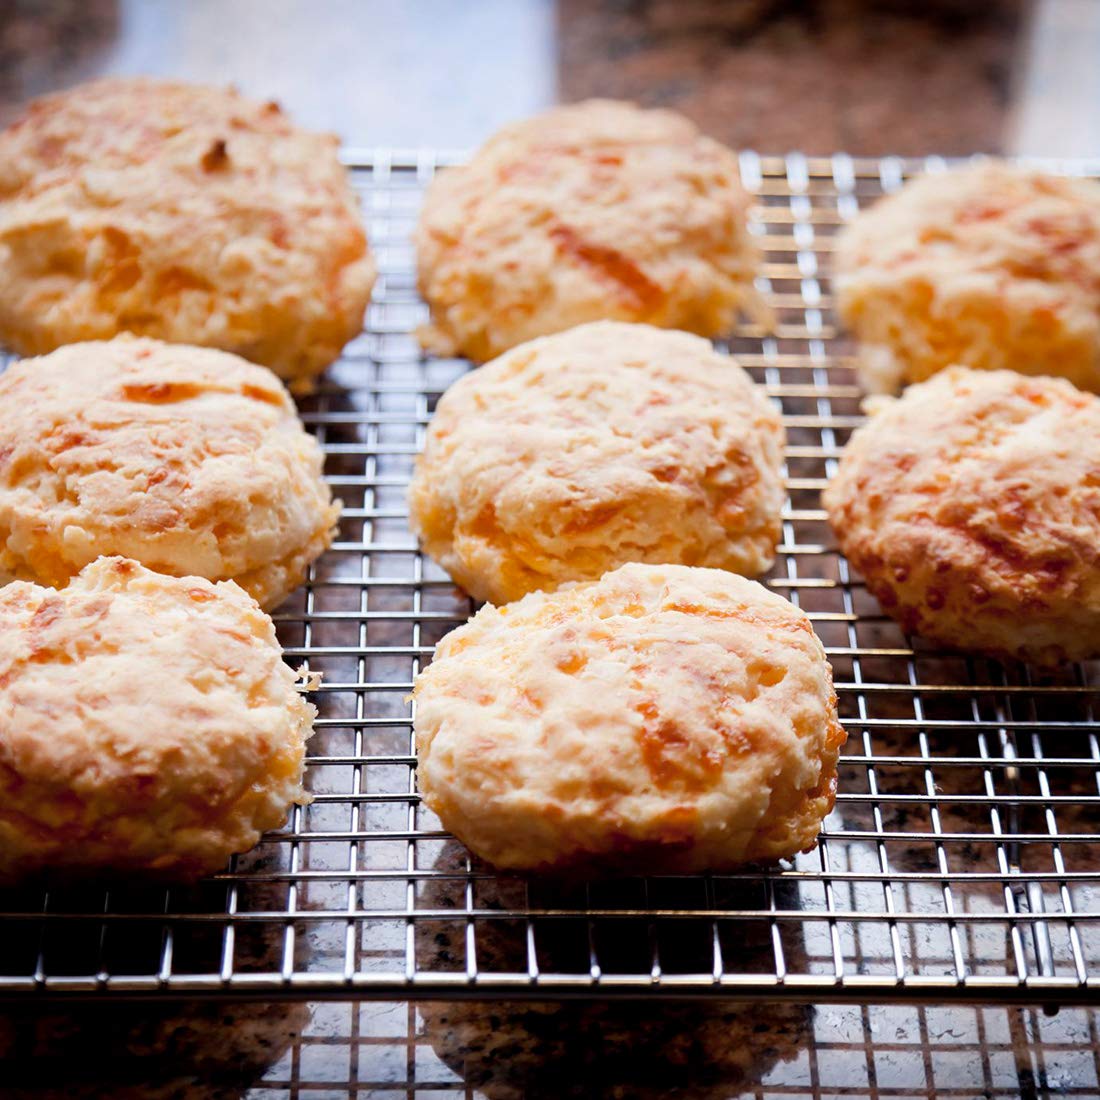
(860, 76)
(509, 1051)
(870, 77)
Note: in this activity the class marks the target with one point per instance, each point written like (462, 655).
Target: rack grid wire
(962, 860)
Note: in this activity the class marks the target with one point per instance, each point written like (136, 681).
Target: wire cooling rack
(962, 860)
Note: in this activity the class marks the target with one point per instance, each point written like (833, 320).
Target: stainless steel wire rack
(962, 860)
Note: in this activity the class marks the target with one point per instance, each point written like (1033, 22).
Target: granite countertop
(868, 76)
(511, 1051)
(776, 75)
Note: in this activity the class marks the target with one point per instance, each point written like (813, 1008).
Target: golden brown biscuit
(609, 443)
(594, 211)
(971, 505)
(183, 212)
(147, 723)
(662, 718)
(189, 460)
(989, 266)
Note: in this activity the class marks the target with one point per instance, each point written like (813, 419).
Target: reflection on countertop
(158, 1051)
(284, 1050)
(635, 1048)
(511, 1050)
(507, 1051)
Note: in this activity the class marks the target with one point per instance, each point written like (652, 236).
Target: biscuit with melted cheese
(148, 725)
(660, 719)
(182, 212)
(594, 211)
(990, 266)
(609, 443)
(971, 505)
(189, 460)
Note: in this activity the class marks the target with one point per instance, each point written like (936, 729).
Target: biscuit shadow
(640, 1049)
(114, 1048)
(212, 1049)
(535, 1049)
(58, 927)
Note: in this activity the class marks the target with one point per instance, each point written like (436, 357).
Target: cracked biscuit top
(609, 443)
(182, 212)
(594, 211)
(989, 265)
(971, 505)
(147, 724)
(660, 719)
(187, 459)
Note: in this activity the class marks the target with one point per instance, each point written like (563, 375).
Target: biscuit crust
(609, 443)
(971, 505)
(187, 459)
(182, 212)
(147, 723)
(597, 210)
(661, 719)
(990, 266)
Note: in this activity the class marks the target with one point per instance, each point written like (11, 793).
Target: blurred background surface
(865, 76)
